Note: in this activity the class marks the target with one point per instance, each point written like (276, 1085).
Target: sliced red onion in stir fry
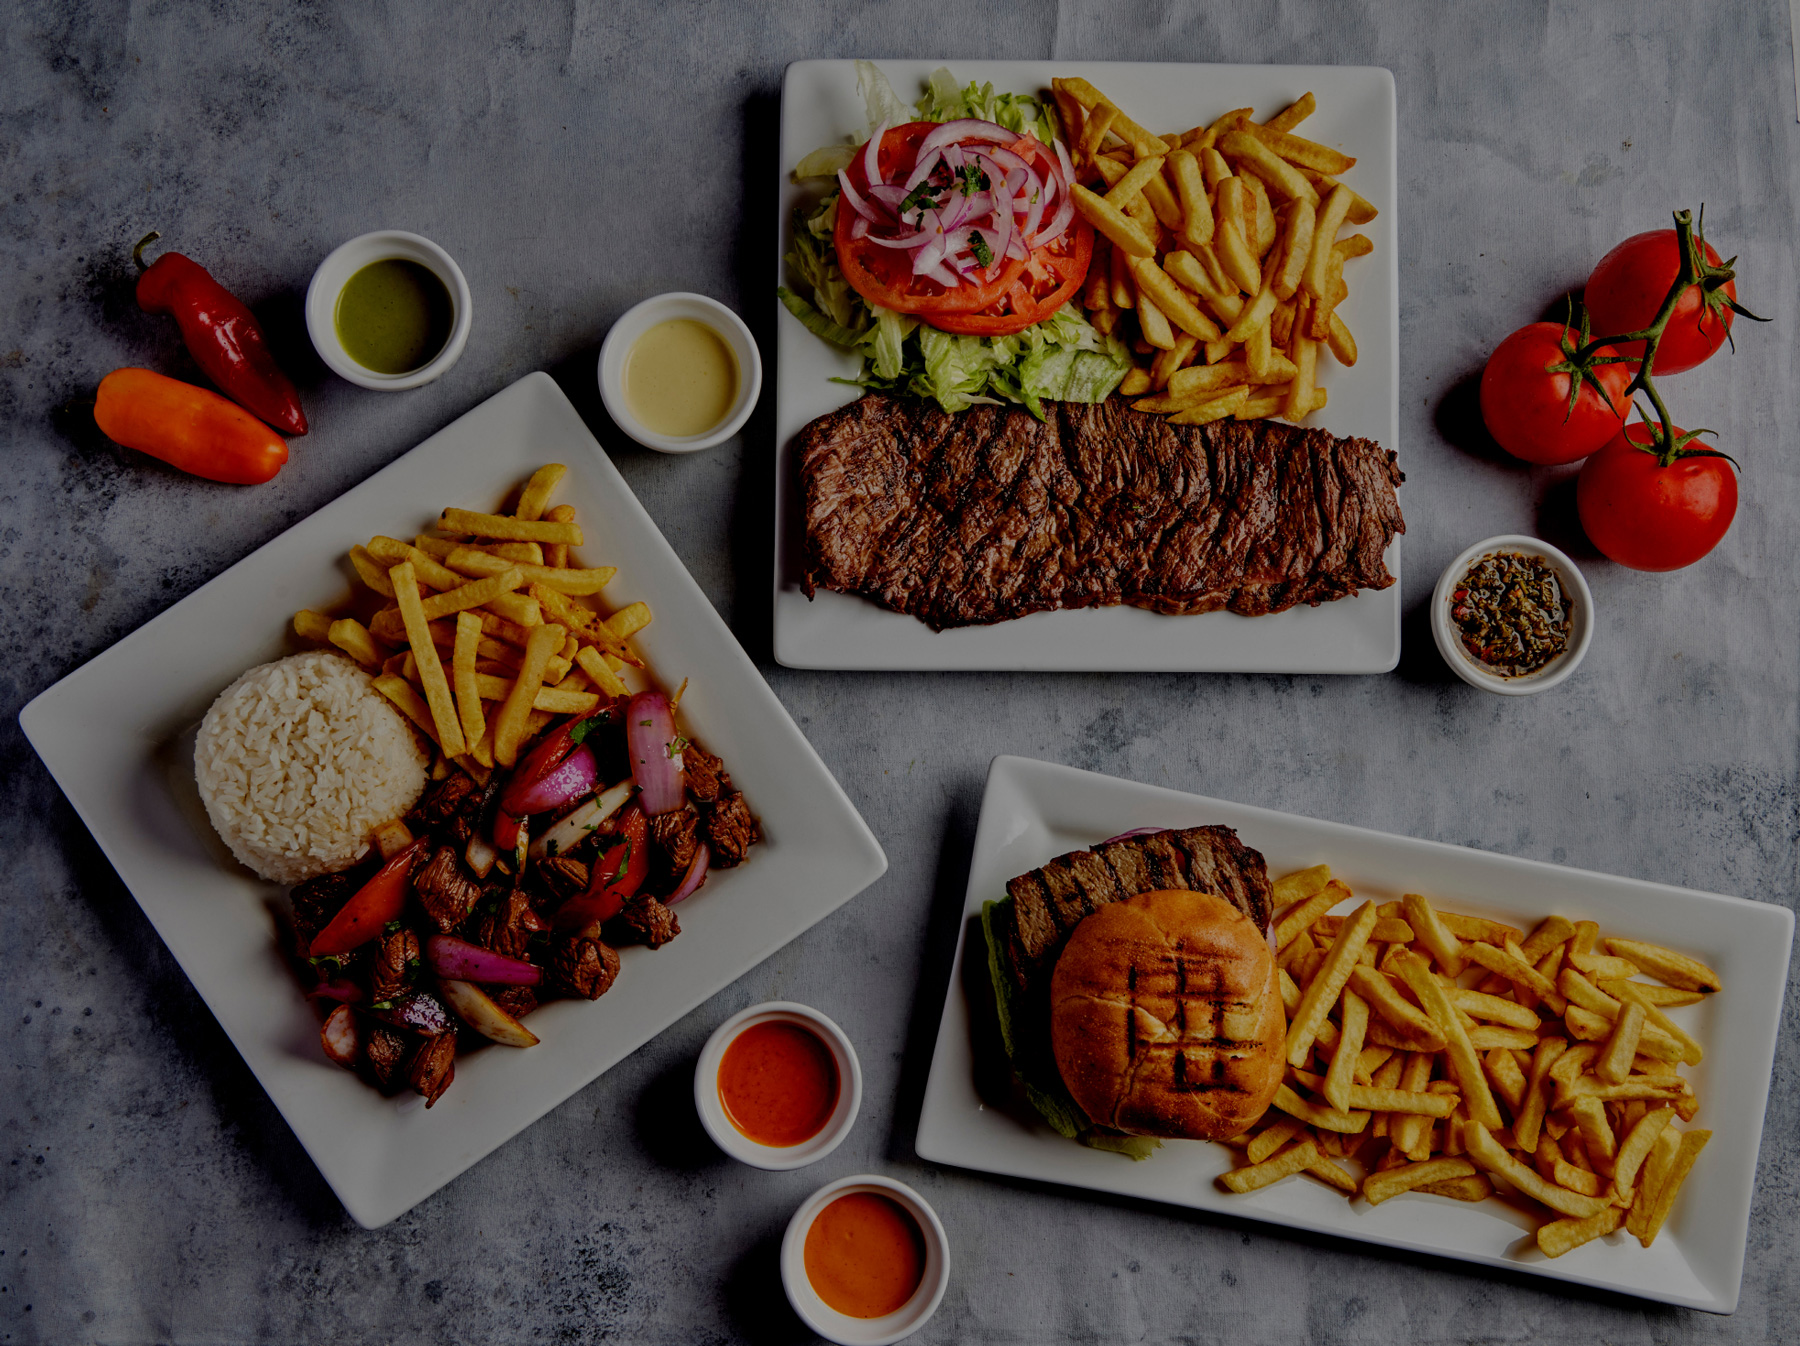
(564, 783)
(1134, 832)
(695, 876)
(655, 749)
(448, 956)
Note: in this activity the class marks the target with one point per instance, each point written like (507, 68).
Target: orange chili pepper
(187, 427)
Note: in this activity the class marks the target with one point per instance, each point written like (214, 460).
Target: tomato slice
(1026, 291)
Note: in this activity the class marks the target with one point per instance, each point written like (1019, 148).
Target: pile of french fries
(1218, 258)
(495, 594)
(1444, 1051)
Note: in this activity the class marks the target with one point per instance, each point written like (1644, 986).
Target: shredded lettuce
(1062, 359)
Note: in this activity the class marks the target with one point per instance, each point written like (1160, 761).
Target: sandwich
(1136, 992)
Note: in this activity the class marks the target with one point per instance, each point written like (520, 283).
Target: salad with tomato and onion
(948, 248)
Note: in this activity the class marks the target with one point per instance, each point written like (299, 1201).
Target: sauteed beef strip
(385, 1052)
(1049, 902)
(445, 890)
(582, 967)
(731, 830)
(432, 1068)
(990, 514)
(703, 772)
(646, 921)
(560, 877)
(517, 1001)
(395, 965)
(449, 807)
(509, 927)
(316, 901)
(675, 837)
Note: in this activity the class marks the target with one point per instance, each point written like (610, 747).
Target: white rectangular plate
(820, 106)
(115, 735)
(1033, 811)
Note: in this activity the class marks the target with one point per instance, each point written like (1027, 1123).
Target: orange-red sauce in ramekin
(865, 1255)
(778, 1083)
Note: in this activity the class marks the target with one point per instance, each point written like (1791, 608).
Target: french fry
(1637, 1146)
(313, 626)
(1135, 381)
(1271, 1138)
(1560, 1236)
(1164, 367)
(1487, 1152)
(510, 725)
(1256, 314)
(1322, 994)
(1129, 131)
(468, 523)
(1340, 1080)
(1669, 1184)
(1666, 965)
(371, 571)
(554, 553)
(1190, 192)
(536, 494)
(1294, 1159)
(1478, 1005)
(1246, 151)
(1507, 1079)
(1120, 230)
(1465, 1067)
(1477, 1188)
(1304, 352)
(1509, 965)
(594, 664)
(1314, 279)
(462, 675)
(1380, 1187)
(1298, 221)
(1328, 1172)
(431, 670)
(391, 552)
(1318, 1114)
(1614, 1063)
(474, 594)
(1300, 152)
(353, 638)
(1208, 138)
(398, 690)
(1653, 997)
(474, 562)
(1131, 184)
(1153, 324)
(1293, 114)
(1168, 296)
(1094, 127)
(1385, 999)
(1217, 409)
(1311, 888)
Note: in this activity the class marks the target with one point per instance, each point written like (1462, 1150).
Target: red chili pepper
(221, 335)
(187, 427)
(620, 873)
(377, 902)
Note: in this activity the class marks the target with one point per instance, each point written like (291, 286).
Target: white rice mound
(298, 761)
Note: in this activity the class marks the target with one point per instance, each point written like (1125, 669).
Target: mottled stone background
(575, 157)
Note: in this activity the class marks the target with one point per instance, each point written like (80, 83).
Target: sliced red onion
(872, 155)
(1062, 158)
(906, 244)
(1065, 214)
(969, 128)
(448, 956)
(1134, 832)
(859, 227)
(855, 198)
(480, 856)
(341, 1037)
(567, 781)
(695, 876)
(341, 989)
(656, 763)
(475, 1008)
(923, 169)
(888, 195)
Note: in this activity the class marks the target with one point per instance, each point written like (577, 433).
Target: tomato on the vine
(1650, 517)
(1527, 408)
(1628, 287)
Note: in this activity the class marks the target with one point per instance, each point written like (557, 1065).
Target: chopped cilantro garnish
(972, 179)
(922, 197)
(979, 246)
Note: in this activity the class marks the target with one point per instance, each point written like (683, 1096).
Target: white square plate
(116, 735)
(1033, 811)
(820, 106)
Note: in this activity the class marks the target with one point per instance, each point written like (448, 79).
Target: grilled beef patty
(990, 514)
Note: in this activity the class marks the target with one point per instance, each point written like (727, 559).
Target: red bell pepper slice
(506, 832)
(377, 902)
(620, 873)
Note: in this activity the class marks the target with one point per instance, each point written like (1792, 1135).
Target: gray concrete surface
(577, 157)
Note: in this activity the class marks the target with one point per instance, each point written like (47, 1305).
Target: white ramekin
(1465, 666)
(903, 1321)
(664, 308)
(734, 1142)
(349, 258)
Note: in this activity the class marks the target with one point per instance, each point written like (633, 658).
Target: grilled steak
(990, 514)
(1048, 903)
